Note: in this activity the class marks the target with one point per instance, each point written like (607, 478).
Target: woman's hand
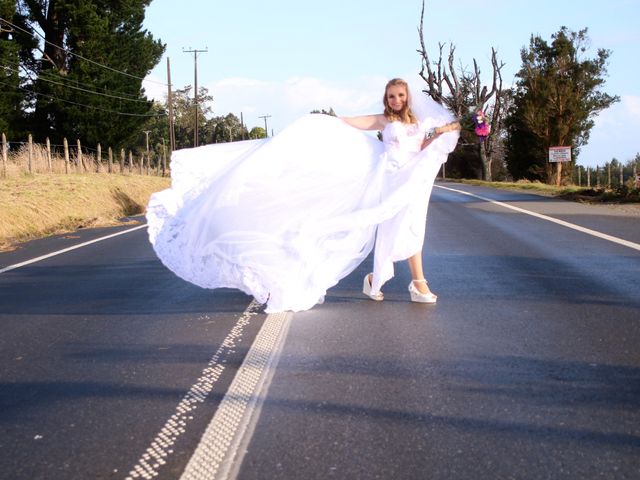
(449, 127)
(428, 138)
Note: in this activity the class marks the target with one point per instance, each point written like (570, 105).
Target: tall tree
(89, 75)
(15, 50)
(227, 128)
(466, 92)
(556, 99)
(10, 96)
(184, 112)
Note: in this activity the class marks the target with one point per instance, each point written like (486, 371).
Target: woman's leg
(415, 266)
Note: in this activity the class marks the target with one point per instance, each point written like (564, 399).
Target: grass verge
(571, 192)
(34, 206)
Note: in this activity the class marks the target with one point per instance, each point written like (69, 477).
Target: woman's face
(396, 97)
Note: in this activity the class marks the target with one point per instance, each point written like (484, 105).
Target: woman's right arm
(366, 122)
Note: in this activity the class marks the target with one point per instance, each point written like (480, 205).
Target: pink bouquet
(482, 127)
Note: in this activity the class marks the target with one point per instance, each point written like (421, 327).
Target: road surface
(528, 367)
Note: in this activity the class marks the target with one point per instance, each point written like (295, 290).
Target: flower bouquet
(476, 121)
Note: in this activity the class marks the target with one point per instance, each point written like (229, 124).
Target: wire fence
(22, 157)
(608, 176)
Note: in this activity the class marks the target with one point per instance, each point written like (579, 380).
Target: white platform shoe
(366, 289)
(419, 297)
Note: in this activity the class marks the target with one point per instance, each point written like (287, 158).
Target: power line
(74, 87)
(47, 74)
(83, 105)
(77, 55)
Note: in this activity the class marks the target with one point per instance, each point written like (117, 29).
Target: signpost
(558, 155)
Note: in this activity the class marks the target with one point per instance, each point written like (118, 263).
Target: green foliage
(184, 114)
(10, 97)
(257, 132)
(92, 32)
(225, 129)
(325, 112)
(556, 98)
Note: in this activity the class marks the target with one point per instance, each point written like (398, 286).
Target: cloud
(155, 88)
(291, 98)
(632, 104)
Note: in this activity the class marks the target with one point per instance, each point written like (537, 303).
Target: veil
(426, 108)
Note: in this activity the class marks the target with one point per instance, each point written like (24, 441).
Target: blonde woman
(401, 237)
(285, 218)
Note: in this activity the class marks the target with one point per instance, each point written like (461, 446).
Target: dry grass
(536, 187)
(36, 160)
(33, 206)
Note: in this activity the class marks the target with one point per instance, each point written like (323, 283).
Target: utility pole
(266, 132)
(172, 133)
(195, 90)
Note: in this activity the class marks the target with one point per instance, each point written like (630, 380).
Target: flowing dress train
(285, 218)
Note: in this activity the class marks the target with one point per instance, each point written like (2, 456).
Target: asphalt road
(528, 367)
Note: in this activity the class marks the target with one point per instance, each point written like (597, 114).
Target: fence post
(579, 176)
(141, 163)
(122, 161)
(110, 161)
(4, 155)
(609, 175)
(99, 158)
(130, 161)
(66, 155)
(621, 175)
(49, 155)
(79, 157)
(30, 154)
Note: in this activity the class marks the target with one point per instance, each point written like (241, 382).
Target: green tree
(227, 128)
(76, 95)
(10, 96)
(257, 132)
(325, 112)
(556, 98)
(184, 114)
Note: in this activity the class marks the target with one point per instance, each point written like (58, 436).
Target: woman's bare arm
(366, 122)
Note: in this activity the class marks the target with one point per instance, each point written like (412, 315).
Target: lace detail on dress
(285, 219)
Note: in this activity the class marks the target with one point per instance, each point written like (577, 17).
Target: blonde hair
(405, 115)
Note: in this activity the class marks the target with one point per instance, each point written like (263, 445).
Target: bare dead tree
(465, 92)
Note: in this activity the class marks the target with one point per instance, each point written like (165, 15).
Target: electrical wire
(47, 74)
(83, 105)
(6, 67)
(77, 55)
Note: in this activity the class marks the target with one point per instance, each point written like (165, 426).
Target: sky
(284, 58)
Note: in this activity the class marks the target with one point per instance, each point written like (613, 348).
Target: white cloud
(155, 88)
(291, 98)
(632, 104)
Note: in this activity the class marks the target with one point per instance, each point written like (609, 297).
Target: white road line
(161, 447)
(588, 231)
(222, 447)
(65, 250)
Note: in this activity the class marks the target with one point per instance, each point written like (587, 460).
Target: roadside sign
(559, 154)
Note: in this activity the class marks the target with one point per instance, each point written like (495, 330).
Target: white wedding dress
(285, 218)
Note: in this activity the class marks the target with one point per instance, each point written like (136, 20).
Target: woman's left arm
(449, 127)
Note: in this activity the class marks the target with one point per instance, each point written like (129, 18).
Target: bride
(285, 218)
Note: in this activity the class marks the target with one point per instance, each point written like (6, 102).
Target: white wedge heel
(419, 297)
(366, 289)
